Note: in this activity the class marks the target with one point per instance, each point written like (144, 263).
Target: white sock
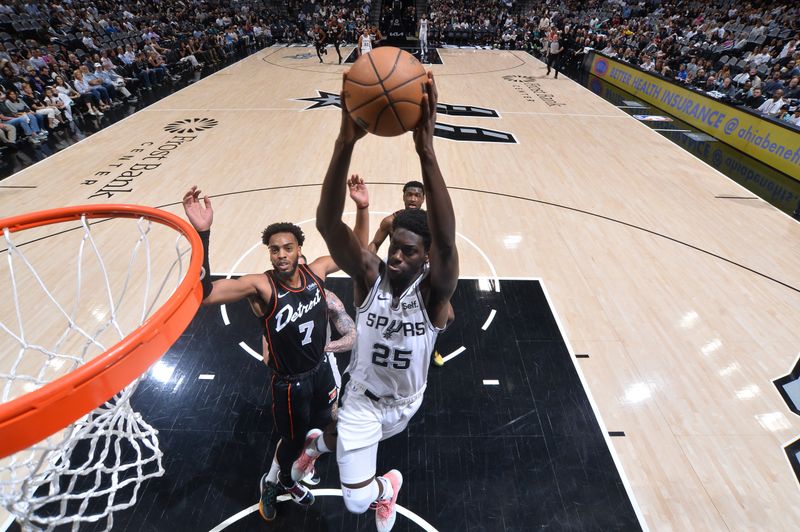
(388, 491)
(320, 445)
(274, 469)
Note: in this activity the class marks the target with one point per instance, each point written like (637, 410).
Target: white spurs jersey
(366, 43)
(393, 346)
(423, 25)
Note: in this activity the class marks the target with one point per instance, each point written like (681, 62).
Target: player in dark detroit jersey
(290, 301)
(336, 35)
(319, 41)
(422, 269)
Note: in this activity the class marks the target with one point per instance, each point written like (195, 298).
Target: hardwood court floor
(687, 305)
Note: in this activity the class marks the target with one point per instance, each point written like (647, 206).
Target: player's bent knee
(357, 500)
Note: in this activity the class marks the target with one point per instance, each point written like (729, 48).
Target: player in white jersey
(423, 34)
(402, 305)
(365, 42)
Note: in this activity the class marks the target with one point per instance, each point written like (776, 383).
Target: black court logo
(299, 57)
(531, 90)
(789, 388)
(445, 131)
(519, 79)
(191, 125)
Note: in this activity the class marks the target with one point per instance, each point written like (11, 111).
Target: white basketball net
(96, 465)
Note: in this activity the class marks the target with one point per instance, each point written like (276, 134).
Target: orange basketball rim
(36, 415)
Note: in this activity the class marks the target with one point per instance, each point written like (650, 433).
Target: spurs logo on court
(530, 90)
(445, 131)
(288, 314)
(191, 125)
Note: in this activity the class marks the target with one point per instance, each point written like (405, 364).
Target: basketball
(384, 91)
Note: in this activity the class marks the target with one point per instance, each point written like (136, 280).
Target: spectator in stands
(92, 77)
(186, 56)
(14, 112)
(88, 41)
(86, 102)
(772, 106)
(8, 133)
(750, 76)
(728, 89)
(793, 68)
(34, 101)
(96, 94)
(53, 100)
(792, 91)
(682, 73)
(110, 77)
(775, 83)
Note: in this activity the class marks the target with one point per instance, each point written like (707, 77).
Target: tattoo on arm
(344, 325)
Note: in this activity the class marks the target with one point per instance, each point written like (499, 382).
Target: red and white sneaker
(305, 462)
(385, 511)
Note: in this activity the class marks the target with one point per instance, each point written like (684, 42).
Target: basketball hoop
(70, 442)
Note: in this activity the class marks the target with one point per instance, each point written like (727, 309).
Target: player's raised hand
(200, 215)
(349, 132)
(358, 191)
(423, 133)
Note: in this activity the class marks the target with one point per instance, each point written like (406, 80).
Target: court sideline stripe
(603, 428)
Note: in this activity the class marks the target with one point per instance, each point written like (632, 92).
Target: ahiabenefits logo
(191, 125)
(601, 67)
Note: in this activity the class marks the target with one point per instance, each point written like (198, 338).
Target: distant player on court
(413, 198)
(364, 42)
(402, 304)
(319, 41)
(290, 302)
(422, 26)
(336, 35)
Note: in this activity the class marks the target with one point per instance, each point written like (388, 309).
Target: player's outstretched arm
(342, 242)
(324, 266)
(201, 216)
(360, 196)
(380, 235)
(441, 217)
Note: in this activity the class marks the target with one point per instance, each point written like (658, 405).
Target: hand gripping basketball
(349, 131)
(384, 91)
(423, 134)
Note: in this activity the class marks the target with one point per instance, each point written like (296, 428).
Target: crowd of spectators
(352, 15)
(745, 54)
(66, 64)
(71, 65)
(742, 53)
(74, 66)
